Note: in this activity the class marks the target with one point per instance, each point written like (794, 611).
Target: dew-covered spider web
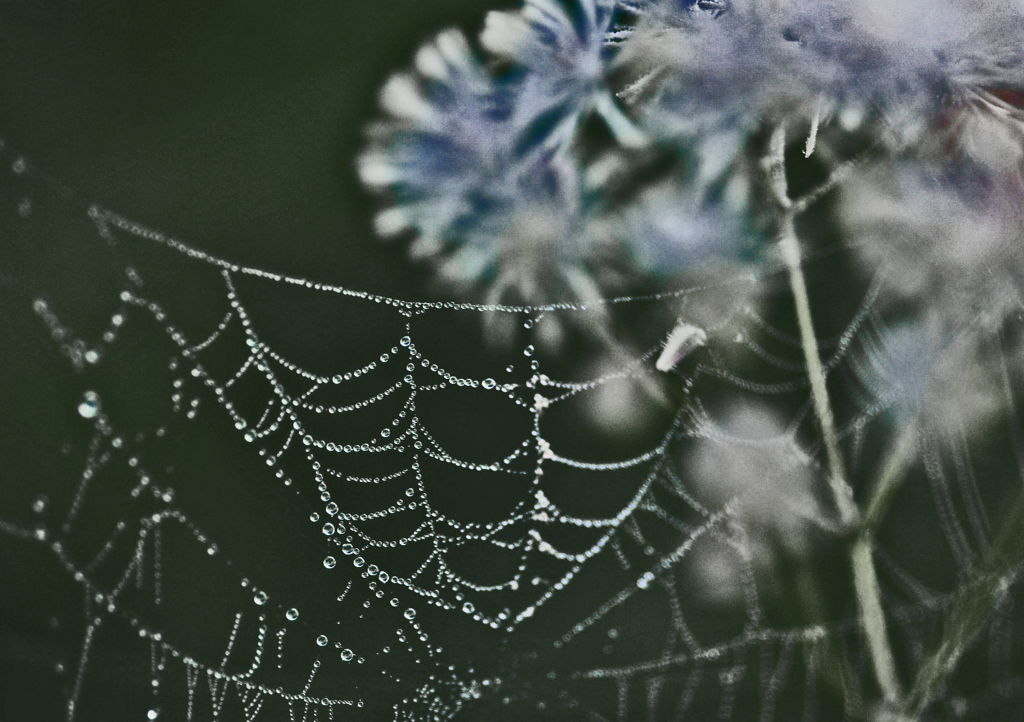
(236, 494)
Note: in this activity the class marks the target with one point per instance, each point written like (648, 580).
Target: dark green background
(232, 124)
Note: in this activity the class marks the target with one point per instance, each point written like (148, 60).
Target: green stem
(841, 491)
(869, 595)
(872, 616)
(893, 472)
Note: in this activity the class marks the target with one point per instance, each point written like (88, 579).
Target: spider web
(274, 498)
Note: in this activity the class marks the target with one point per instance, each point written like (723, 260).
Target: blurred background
(234, 124)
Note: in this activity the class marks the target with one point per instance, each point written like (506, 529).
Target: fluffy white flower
(758, 60)
(947, 380)
(952, 245)
(751, 457)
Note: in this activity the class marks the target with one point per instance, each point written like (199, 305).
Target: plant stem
(894, 470)
(869, 595)
(869, 599)
(841, 491)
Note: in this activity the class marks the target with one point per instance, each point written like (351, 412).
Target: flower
(702, 71)
(671, 231)
(537, 238)
(948, 380)
(560, 57)
(949, 244)
(750, 459)
(478, 163)
(446, 137)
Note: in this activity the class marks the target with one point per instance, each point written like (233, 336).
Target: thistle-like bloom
(479, 163)
(750, 456)
(703, 71)
(538, 238)
(939, 377)
(673, 232)
(560, 56)
(493, 209)
(953, 244)
(446, 139)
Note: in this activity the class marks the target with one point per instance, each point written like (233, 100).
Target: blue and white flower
(479, 164)
(560, 58)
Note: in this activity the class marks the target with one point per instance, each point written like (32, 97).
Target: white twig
(869, 595)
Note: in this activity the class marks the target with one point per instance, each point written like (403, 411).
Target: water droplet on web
(260, 598)
(348, 549)
(488, 383)
(384, 577)
(39, 505)
(329, 562)
(468, 608)
(528, 351)
(152, 714)
(394, 601)
(405, 341)
(321, 641)
(292, 614)
(347, 655)
(90, 405)
(410, 613)
(328, 529)
(372, 570)
(410, 491)
(384, 358)
(358, 562)
(331, 508)
(385, 433)
(314, 517)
